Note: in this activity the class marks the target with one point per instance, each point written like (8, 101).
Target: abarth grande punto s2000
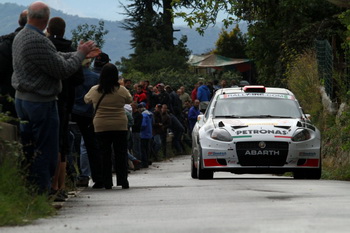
(258, 130)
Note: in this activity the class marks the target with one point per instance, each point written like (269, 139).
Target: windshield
(256, 108)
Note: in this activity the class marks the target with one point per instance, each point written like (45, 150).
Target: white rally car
(255, 129)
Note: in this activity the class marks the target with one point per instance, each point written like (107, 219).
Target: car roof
(270, 90)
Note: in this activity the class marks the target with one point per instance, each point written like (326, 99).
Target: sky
(101, 9)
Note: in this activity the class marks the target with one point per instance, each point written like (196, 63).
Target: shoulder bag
(97, 105)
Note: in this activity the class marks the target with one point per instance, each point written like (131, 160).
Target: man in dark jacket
(178, 130)
(136, 129)
(160, 129)
(101, 60)
(56, 30)
(163, 96)
(6, 70)
(175, 102)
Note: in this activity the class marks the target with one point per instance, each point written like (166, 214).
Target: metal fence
(325, 65)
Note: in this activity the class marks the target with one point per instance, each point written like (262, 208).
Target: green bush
(303, 81)
(17, 204)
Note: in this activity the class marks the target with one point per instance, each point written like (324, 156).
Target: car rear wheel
(193, 169)
(203, 174)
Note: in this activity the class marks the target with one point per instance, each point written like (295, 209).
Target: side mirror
(200, 119)
(307, 117)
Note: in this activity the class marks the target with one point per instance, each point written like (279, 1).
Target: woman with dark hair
(110, 123)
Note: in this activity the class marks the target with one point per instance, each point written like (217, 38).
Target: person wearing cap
(101, 60)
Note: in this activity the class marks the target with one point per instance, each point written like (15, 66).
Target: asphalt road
(164, 198)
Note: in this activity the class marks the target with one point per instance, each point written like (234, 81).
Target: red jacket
(194, 94)
(140, 97)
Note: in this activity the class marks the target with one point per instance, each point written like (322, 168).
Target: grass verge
(333, 170)
(17, 205)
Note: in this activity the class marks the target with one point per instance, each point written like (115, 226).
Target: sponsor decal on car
(262, 152)
(262, 131)
(217, 153)
(281, 96)
(232, 161)
(307, 154)
(283, 137)
(247, 136)
(212, 163)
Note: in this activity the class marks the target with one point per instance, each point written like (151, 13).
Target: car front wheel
(203, 174)
(193, 170)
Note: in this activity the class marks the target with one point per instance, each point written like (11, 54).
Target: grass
(333, 170)
(17, 205)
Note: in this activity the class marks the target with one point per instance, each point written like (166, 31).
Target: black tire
(193, 169)
(298, 175)
(312, 174)
(204, 174)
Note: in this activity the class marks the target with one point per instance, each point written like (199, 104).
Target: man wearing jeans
(38, 71)
(82, 114)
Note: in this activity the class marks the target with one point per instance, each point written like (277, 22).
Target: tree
(87, 32)
(153, 40)
(276, 29)
(231, 44)
(204, 12)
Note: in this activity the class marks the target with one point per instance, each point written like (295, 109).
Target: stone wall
(8, 132)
